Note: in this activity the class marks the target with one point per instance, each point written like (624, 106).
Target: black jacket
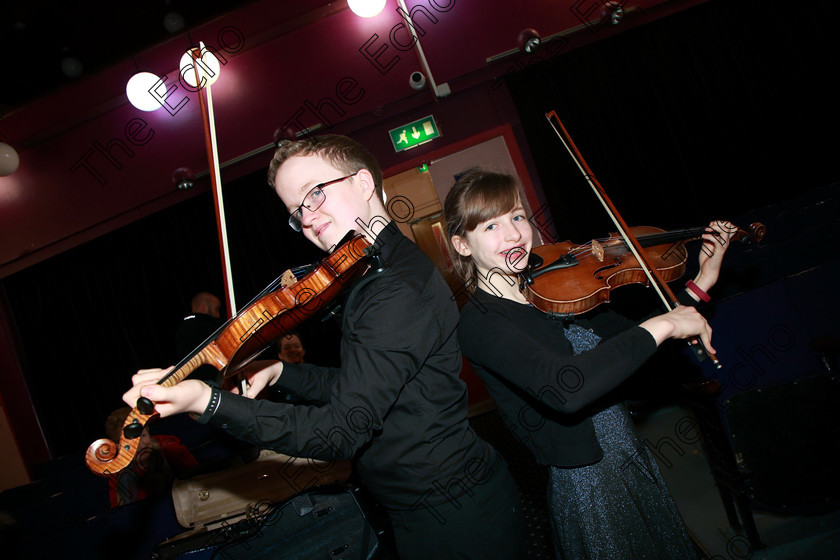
(543, 390)
(397, 403)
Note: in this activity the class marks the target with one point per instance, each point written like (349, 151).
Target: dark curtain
(725, 110)
(90, 317)
(722, 108)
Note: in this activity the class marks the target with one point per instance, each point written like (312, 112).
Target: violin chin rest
(534, 261)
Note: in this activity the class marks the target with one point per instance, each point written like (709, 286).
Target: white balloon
(9, 160)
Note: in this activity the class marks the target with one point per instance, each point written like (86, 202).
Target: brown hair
(477, 196)
(342, 152)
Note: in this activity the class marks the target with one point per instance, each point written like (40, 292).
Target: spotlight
(366, 8)
(528, 40)
(613, 11)
(183, 178)
(9, 160)
(207, 64)
(417, 81)
(284, 134)
(137, 90)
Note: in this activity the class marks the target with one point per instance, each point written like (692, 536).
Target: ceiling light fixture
(9, 160)
(613, 11)
(528, 40)
(137, 90)
(366, 8)
(207, 65)
(183, 178)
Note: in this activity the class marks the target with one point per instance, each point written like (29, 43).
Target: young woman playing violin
(606, 496)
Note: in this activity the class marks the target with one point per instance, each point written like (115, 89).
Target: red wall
(91, 162)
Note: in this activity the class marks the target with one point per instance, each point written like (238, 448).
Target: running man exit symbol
(414, 133)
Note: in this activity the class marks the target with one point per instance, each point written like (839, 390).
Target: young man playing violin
(551, 379)
(396, 405)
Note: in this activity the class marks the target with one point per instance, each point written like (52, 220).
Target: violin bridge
(598, 250)
(287, 279)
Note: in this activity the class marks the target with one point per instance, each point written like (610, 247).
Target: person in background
(550, 378)
(204, 318)
(290, 348)
(158, 461)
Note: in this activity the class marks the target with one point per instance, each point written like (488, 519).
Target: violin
(564, 279)
(281, 306)
(669, 300)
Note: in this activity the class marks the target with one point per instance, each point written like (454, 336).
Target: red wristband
(697, 291)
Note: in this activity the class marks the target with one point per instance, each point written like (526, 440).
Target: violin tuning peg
(145, 406)
(133, 430)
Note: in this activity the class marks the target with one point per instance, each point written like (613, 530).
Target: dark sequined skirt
(618, 508)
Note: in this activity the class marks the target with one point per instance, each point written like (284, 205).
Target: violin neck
(674, 236)
(206, 354)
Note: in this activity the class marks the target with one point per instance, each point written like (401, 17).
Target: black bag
(323, 523)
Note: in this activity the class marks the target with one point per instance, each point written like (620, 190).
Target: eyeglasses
(312, 201)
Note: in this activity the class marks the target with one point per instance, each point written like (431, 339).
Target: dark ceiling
(42, 35)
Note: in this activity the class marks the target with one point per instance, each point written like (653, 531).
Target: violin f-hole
(597, 274)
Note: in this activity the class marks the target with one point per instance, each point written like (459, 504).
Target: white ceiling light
(137, 90)
(208, 68)
(9, 160)
(366, 8)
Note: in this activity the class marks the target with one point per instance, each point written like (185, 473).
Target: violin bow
(660, 286)
(205, 102)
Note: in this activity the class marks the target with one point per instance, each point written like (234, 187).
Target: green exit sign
(414, 133)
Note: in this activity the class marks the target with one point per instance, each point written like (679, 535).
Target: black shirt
(543, 390)
(193, 330)
(396, 404)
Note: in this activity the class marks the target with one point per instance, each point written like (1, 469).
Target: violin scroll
(105, 457)
(751, 236)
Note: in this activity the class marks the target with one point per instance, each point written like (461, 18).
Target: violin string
(644, 240)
